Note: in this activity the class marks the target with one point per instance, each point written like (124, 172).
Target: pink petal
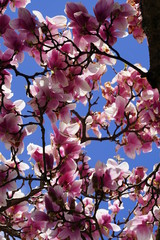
(40, 216)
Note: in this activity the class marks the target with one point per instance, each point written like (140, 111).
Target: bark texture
(151, 25)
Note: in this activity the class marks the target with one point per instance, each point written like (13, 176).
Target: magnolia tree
(65, 197)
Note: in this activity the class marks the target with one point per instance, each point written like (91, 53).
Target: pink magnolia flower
(120, 105)
(133, 145)
(53, 24)
(36, 152)
(104, 221)
(119, 109)
(101, 179)
(75, 188)
(6, 180)
(82, 23)
(71, 8)
(11, 164)
(18, 4)
(67, 133)
(81, 87)
(89, 205)
(5, 80)
(56, 60)
(124, 10)
(67, 172)
(95, 121)
(6, 58)
(138, 174)
(111, 111)
(95, 70)
(38, 55)
(142, 227)
(135, 22)
(55, 202)
(48, 94)
(115, 207)
(157, 179)
(70, 230)
(84, 171)
(75, 85)
(58, 196)
(124, 80)
(118, 171)
(103, 9)
(14, 107)
(47, 235)
(103, 60)
(119, 15)
(130, 78)
(17, 210)
(59, 76)
(156, 211)
(145, 202)
(65, 114)
(63, 143)
(128, 235)
(59, 138)
(10, 132)
(31, 228)
(114, 19)
(74, 224)
(71, 149)
(4, 23)
(25, 21)
(26, 24)
(15, 42)
(114, 32)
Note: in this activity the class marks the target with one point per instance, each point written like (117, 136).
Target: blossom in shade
(103, 9)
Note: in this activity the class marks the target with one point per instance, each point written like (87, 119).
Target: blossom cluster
(133, 105)
(13, 4)
(135, 22)
(66, 198)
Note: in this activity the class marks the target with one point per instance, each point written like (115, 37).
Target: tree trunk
(151, 25)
